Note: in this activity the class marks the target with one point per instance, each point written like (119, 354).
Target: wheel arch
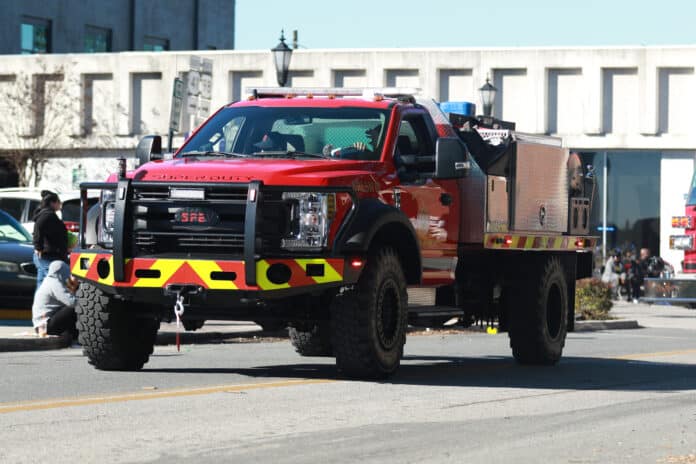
(377, 225)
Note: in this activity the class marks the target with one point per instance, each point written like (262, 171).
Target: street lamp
(488, 92)
(281, 57)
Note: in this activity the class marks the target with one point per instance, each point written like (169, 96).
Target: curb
(589, 326)
(33, 344)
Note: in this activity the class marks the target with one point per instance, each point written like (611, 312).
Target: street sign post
(175, 114)
(199, 91)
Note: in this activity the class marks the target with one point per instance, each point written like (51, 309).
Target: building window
(630, 196)
(155, 44)
(97, 39)
(35, 35)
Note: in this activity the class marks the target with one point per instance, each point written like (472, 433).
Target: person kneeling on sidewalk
(53, 312)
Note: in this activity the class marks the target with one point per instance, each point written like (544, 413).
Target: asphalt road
(622, 396)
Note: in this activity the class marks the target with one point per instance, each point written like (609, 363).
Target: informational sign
(177, 103)
(199, 89)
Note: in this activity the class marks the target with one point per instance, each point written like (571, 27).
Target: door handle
(446, 199)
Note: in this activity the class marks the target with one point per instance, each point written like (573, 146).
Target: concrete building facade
(626, 110)
(79, 26)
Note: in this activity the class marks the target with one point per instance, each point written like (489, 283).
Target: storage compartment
(497, 214)
(579, 216)
(540, 185)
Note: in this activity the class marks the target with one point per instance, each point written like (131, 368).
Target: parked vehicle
(21, 203)
(666, 286)
(17, 270)
(317, 209)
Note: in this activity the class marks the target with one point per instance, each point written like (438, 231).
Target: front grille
(162, 242)
(214, 193)
(156, 229)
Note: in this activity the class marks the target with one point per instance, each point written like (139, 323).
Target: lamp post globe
(281, 58)
(488, 92)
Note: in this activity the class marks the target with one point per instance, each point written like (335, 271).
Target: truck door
(431, 205)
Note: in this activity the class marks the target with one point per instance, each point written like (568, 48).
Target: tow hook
(180, 292)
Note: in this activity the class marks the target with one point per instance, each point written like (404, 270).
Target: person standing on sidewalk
(53, 311)
(50, 235)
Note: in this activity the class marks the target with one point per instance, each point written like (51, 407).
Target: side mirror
(451, 158)
(149, 149)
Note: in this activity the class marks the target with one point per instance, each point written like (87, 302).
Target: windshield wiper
(224, 154)
(290, 154)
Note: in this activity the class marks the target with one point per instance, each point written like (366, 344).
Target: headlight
(106, 218)
(310, 217)
(681, 242)
(6, 266)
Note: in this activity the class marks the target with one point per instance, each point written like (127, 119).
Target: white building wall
(596, 98)
(612, 98)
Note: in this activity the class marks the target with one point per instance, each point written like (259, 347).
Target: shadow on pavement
(572, 373)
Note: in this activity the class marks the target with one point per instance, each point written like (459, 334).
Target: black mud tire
(312, 340)
(191, 325)
(369, 320)
(539, 322)
(111, 336)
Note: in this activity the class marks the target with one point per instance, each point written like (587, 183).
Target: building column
(592, 101)
(648, 92)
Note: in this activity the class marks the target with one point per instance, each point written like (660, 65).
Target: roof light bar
(331, 92)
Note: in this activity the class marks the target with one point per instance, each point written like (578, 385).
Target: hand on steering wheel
(360, 146)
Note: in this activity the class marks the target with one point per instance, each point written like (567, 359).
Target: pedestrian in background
(50, 235)
(53, 311)
(611, 273)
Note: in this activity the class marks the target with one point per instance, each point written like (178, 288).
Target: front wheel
(313, 339)
(369, 320)
(111, 335)
(538, 328)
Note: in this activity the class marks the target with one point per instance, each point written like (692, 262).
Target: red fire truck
(680, 288)
(317, 209)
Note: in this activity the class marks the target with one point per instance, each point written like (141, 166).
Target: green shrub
(592, 299)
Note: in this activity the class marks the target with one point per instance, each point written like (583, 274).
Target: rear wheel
(192, 324)
(369, 320)
(538, 328)
(111, 335)
(313, 339)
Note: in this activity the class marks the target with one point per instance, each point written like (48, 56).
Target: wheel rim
(554, 310)
(388, 315)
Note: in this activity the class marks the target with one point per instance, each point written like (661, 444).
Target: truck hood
(329, 172)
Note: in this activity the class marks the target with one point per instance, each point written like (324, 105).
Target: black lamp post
(488, 92)
(281, 57)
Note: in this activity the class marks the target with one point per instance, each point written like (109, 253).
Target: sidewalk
(658, 316)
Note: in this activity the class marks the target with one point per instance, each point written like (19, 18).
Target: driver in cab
(358, 150)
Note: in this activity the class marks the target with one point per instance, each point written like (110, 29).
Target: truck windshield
(300, 132)
(691, 201)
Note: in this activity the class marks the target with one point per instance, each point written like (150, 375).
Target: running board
(429, 311)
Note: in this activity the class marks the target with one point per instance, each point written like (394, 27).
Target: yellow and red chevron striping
(200, 272)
